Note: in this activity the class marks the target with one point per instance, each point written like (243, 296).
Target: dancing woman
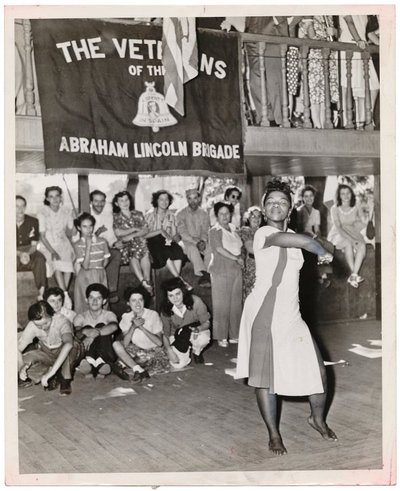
(276, 351)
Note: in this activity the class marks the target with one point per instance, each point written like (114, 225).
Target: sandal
(360, 279)
(352, 279)
(147, 286)
(188, 286)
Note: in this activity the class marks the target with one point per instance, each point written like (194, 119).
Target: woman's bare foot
(276, 446)
(324, 431)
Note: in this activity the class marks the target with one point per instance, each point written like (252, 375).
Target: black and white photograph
(200, 245)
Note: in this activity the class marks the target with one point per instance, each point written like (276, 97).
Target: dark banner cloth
(101, 93)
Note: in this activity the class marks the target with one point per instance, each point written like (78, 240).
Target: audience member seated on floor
(28, 258)
(96, 328)
(193, 224)
(346, 234)
(91, 259)
(55, 298)
(226, 276)
(52, 363)
(186, 323)
(163, 236)
(142, 336)
(104, 228)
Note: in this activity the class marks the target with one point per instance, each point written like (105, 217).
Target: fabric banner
(101, 89)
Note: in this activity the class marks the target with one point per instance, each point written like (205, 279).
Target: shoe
(85, 368)
(113, 298)
(52, 383)
(352, 279)
(147, 286)
(198, 359)
(204, 281)
(104, 369)
(23, 384)
(65, 387)
(360, 279)
(234, 341)
(139, 376)
(223, 343)
(119, 371)
(188, 286)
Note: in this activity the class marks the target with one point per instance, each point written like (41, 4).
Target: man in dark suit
(28, 257)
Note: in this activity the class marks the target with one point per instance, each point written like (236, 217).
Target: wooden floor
(203, 420)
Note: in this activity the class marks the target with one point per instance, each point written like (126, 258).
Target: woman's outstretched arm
(284, 239)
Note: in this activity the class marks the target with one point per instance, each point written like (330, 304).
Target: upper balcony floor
(335, 147)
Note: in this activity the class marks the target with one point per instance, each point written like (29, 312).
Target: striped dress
(276, 350)
(94, 274)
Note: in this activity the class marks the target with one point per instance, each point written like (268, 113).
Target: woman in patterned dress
(56, 230)
(130, 227)
(320, 27)
(253, 221)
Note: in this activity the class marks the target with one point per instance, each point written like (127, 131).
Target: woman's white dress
(357, 65)
(282, 347)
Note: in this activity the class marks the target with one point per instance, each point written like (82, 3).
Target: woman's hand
(361, 44)
(45, 378)
(240, 261)
(55, 256)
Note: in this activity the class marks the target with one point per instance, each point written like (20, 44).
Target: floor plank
(203, 420)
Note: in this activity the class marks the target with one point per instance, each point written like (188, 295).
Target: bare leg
(146, 267)
(315, 115)
(267, 404)
(172, 267)
(60, 279)
(360, 255)
(137, 268)
(360, 111)
(348, 253)
(67, 280)
(172, 356)
(318, 405)
(322, 114)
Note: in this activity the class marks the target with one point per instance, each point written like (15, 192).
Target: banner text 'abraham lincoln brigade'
(101, 89)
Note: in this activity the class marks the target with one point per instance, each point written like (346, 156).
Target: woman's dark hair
(84, 216)
(277, 185)
(55, 291)
(99, 288)
(221, 204)
(309, 188)
(249, 212)
(157, 194)
(121, 194)
(339, 199)
(48, 190)
(169, 286)
(39, 310)
(229, 190)
(139, 290)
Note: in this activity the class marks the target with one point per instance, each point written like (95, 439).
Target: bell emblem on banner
(153, 111)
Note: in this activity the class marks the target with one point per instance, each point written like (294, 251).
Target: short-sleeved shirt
(152, 323)
(98, 252)
(220, 264)
(86, 319)
(27, 232)
(52, 338)
(198, 313)
(307, 221)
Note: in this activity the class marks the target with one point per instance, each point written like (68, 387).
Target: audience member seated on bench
(186, 323)
(55, 298)
(58, 352)
(193, 224)
(142, 336)
(28, 258)
(96, 328)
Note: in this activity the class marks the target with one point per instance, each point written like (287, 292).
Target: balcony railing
(27, 101)
(340, 51)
